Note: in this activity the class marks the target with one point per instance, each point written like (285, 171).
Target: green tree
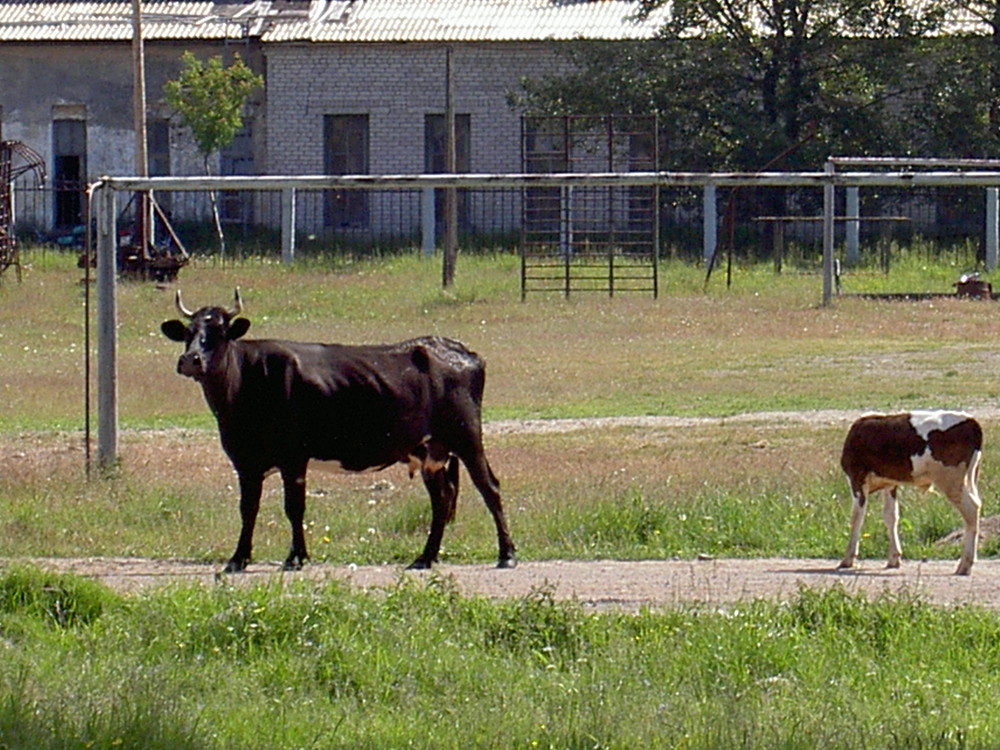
(987, 13)
(738, 82)
(210, 98)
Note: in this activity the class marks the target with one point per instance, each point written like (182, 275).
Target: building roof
(111, 20)
(276, 21)
(466, 21)
(324, 20)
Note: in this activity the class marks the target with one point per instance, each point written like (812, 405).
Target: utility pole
(450, 196)
(139, 124)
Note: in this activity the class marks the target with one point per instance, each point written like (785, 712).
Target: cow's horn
(237, 307)
(180, 306)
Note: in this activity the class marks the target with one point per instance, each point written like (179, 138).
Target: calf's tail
(972, 473)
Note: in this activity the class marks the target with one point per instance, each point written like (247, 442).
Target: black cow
(281, 403)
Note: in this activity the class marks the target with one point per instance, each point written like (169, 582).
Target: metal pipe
(107, 335)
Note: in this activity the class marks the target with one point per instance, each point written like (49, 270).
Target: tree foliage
(737, 82)
(210, 97)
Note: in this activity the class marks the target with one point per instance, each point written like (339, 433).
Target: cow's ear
(174, 330)
(237, 328)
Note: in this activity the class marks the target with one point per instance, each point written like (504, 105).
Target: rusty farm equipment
(16, 159)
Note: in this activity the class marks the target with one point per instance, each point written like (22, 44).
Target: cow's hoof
(507, 562)
(294, 563)
(235, 566)
(419, 564)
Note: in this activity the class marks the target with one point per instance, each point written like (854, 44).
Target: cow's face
(205, 336)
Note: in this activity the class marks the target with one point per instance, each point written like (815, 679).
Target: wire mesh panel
(578, 238)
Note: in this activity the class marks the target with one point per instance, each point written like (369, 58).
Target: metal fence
(779, 223)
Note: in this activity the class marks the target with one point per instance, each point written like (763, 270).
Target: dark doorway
(434, 162)
(345, 151)
(69, 155)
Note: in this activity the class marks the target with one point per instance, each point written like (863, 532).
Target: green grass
(319, 665)
(616, 493)
(419, 666)
(763, 344)
(744, 489)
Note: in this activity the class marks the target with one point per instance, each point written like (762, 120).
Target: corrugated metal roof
(467, 20)
(345, 20)
(111, 20)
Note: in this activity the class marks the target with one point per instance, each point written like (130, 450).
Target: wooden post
(143, 219)
(450, 198)
(778, 244)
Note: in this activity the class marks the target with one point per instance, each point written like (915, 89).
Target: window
(434, 161)
(69, 157)
(345, 151)
(434, 138)
(158, 147)
(545, 148)
(237, 159)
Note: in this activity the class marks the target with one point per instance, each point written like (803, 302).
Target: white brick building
(351, 86)
(361, 87)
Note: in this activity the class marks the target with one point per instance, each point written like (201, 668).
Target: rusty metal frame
(16, 159)
(590, 238)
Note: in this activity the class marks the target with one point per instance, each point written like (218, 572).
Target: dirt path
(813, 416)
(606, 583)
(595, 584)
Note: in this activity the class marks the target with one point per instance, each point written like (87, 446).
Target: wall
(396, 85)
(93, 82)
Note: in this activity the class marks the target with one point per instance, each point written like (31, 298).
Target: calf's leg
(442, 486)
(859, 498)
(890, 514)
(969, 506)
(489, 487)
(963, 494)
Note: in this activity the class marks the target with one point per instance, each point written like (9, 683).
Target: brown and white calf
(939, 449)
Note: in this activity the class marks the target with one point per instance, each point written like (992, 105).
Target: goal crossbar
(940, 173)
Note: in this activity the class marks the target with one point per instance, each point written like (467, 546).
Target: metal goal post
(105, 199)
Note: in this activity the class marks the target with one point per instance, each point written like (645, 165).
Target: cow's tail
(478, 380)
(451, 483)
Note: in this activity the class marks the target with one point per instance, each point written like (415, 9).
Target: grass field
(326, 667)
(745, 488)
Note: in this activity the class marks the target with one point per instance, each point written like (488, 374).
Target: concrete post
(427, 228)
(992, 227)
(288, 225)
(828, 204)
(710, 223)
(107, 334)
(852, 250)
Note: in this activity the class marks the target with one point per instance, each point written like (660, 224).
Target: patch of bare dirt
(601, 584)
